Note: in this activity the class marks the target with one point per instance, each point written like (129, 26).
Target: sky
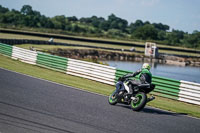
(178, 14)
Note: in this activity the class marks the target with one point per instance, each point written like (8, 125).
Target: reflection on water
(186, 73)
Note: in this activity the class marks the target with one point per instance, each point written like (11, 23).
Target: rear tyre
(112, 99)
(140, 101)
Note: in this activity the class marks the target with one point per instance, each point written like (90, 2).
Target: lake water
(186, 73)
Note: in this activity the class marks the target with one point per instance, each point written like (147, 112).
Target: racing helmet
(146, 66)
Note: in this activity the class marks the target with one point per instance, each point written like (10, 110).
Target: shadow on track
(152, 110)
(160, 112)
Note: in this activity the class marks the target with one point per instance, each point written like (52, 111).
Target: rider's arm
(132, 74)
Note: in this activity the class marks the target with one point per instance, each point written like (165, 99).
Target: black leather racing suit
(145, 77)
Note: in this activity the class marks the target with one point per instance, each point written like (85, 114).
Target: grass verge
(18, 36)
(92, 86)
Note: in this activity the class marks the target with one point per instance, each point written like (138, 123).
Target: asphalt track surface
(31, 105)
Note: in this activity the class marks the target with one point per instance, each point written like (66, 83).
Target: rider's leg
(119, 86)
(130, 89)
(133, 84)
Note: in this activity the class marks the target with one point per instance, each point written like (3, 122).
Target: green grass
(51, 32)
(179, 53)
(16, 36)
(52, 47)
(176, 106)
(62, 78)
(45, 48)
(89, 85)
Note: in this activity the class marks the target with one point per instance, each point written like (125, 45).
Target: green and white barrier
(169, 88)
(93, 71)
(24, 55)
(51, 61)
(6, 49)
(189, 92)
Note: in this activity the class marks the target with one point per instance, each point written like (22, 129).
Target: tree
(95, 21)
(175, 37)
(117, 23)
(138, 23)
(146, 32)
(133, 26)
(104, 25)
(31, 18)
(11, 17)
(161, 35)
(78, 29)
(192, 40)
(73, 18)
(3, 9)
(160, 26)
(46, 22)
(112, 18)
(98, 26)
(59, 22)
(147, 22)
(115, 33)
(27, 10)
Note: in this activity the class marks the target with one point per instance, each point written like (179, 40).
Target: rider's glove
(121, 79)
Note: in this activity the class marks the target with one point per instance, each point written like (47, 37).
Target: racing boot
(150, 99)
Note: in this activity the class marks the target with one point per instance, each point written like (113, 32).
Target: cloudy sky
(178, 14)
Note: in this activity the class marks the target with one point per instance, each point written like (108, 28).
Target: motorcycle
(137, 100)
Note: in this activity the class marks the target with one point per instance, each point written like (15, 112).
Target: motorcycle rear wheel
(140, 101)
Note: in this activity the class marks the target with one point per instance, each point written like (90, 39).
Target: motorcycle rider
(145, 78)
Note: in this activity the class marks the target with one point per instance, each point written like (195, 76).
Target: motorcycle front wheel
(112, 99)
(139, 102)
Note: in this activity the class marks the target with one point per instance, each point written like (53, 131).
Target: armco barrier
(166, 87)
(174, 89)
(97, 72)
(53, 62)
(189, 92)
(24, 55)
(6, 49)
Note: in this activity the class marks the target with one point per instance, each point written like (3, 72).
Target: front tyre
(112, 99)
(139, 102)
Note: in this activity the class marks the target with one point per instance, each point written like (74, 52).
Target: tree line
(112, 27)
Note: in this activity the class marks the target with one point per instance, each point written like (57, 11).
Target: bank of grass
(45, 48)
(52, 47)
(62, 78)
(18, 36)
(15, 36)
(52, 32)
(176, 106)
(89, 85)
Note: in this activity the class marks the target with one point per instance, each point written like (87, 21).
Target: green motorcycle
(137, 100)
